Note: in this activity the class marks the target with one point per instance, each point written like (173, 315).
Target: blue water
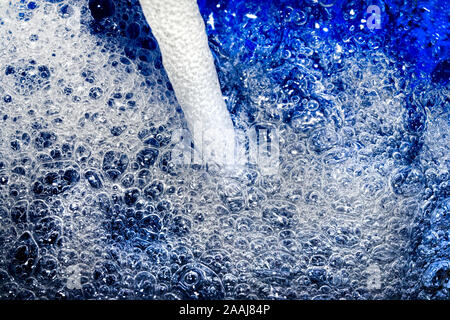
(92, 205)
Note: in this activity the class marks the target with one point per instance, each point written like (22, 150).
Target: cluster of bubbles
(93, 204)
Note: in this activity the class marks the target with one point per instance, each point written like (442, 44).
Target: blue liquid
(92, 204)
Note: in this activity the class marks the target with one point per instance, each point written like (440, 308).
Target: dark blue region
(124, 21)
(266, 31)
(415, 31)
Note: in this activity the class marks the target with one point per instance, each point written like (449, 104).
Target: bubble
(44, 140)
(197, 281)
(19, 212)
(48, 231)
(146, 283)
(154, 190)
(255, 197)
(436, 275)
(271, 184)
(323, 139)
(101, 9)
(280, 213)
(242, 290)
(155, 136)
(47, 269)
(157, 253)
(95, 93)
(440, 217)
(65, 177)
(147, 157)
(114, 164)
(23, 256)
(232, 195)
(66, 11)
(131, 196)
(94, 179)
(180, 225)
(218, 260)
(128, 180)
(144, 176)
(407, 181)
(151, 223)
